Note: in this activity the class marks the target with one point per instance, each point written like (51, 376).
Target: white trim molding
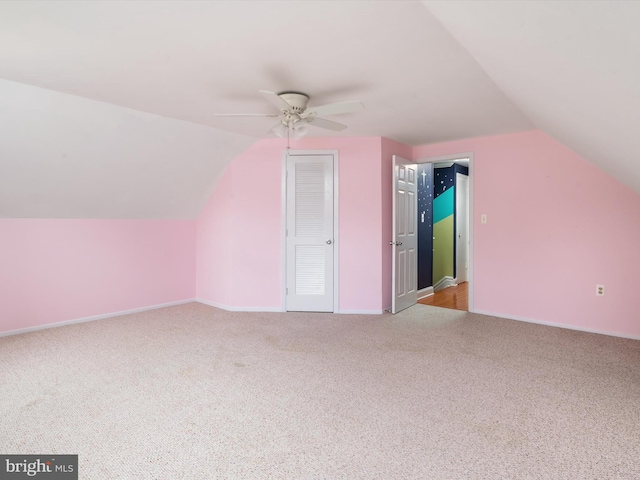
(237, 309)
(278, 309)
(361, 312)
(92, 318)
(558, 325)
(425, 292)
(444, 282)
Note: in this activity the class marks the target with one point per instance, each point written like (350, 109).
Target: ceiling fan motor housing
(297, 101)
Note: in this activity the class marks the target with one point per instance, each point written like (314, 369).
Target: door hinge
(287, 291)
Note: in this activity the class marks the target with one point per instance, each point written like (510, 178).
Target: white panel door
(309, 233)
(462, 228)
(405, 235)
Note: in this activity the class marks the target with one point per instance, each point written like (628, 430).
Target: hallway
(456, 298)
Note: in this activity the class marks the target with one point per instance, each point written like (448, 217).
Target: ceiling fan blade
(324, 123)
(245, 115)
(334, 108)
(275, 100)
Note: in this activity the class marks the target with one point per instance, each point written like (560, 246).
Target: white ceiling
(188, 60)
(566, 68)
(572, 67)
(63, 156)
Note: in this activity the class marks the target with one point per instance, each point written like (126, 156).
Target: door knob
(328, 242)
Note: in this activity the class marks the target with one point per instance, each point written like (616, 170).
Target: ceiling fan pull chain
(288, 133)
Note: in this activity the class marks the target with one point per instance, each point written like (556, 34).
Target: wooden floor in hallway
(456, 298)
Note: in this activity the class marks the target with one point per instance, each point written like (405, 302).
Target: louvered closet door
(309, 230)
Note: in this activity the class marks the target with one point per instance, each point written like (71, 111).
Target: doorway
(445, 233)
(455, 297)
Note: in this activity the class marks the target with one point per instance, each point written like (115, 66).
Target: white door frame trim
(336, 223)
(450, 158)
(457, 230)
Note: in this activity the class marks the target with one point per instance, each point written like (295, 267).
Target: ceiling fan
(295, 115)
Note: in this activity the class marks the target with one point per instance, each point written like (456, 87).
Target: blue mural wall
(444, 180)
(443, 222)
(425, 225)
(461, 169)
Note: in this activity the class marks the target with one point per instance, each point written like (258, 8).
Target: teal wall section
(444, 205)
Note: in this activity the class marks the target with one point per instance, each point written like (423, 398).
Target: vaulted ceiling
(106, 107)
(572, 67)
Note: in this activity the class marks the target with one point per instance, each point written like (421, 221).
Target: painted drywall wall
(61, 270)
(444, 228)
(443, 223)
(538, 258)
(425, 225)
(557, 226)
(239, 233)
(443, 250)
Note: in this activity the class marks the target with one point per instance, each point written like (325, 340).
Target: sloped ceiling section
(75, 143)
(572, 67)
(188, 60)
(63, 156)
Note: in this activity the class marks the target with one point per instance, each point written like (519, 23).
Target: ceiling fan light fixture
(281, 130)
(300, 129)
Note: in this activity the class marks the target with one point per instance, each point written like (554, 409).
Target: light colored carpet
(192, 392)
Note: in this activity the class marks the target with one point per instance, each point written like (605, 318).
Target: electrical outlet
(599, 290)
(483, 218)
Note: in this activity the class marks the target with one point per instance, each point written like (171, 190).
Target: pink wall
(239, 231)
(60, 270)
(556, 227)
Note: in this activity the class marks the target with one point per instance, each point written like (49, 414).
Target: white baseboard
(278, 309)
(91, 319)
(443, 283)
(361, 312)
(238, 309)
(425, 292)
(559, 325)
